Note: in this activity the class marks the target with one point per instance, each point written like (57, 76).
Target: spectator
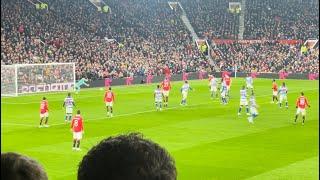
(127, 157)
(17, 167)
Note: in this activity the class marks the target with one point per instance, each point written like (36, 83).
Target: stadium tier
(247, 106)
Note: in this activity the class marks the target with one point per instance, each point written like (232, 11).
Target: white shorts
(46, 114)
(166, 93)
(228, 87)
(184, 95)
(158, 100)
(69, 110)
(301, 111)
(249, 86)
(109, 104)
(213, 89)
(253, 110)
(283, 98)
(77, 135)
(275, 93)
(243, 102)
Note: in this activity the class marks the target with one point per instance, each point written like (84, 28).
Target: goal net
(34, 78)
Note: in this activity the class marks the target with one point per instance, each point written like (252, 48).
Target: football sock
(279, 104)
(295, 120)
(286, 104)
(46, 120)
(239, 109)
(74, 143)
(41, 121)
(78, 145)
(303, 118)
(66, 117)
(247, 109)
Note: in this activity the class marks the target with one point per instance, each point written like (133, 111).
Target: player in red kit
(44, 112)
(301, 105)
(77, 129)
(227, 80)
(274, 91)
(109, 99)
(166, 87)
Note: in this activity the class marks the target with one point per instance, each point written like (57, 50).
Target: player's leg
(297, 114)
(286, 99)
(74, 143)
(280, 101)
(111, 110)
(41, 119)
(240, 108)
(47, 118)
(160, 105)
(247, 109)
(78, 144)
(303, 113)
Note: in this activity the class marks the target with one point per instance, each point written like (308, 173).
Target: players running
(213, 87)
(80, 83)
(44, 112)
(184, 91)
(274, 91)
(109, 99)
(249, 82)
(77, 129)
(301, 104)
(166, 87)
(158, 98)
(243, 100)
(253, 108)
(283, 91)
(68, 104)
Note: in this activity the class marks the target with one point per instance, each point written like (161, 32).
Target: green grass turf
(207, 140)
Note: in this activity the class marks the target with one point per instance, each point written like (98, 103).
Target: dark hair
(69, 94)
(44, 98)
(109, 88)
(78, 112)
(158, 86)
(127, 157)
(302, 94)
(17, 167)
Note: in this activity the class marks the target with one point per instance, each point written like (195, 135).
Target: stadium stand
(140, 37)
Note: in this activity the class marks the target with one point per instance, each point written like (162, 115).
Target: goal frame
(16, 68)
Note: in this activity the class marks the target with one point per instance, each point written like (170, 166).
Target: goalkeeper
(80, 83)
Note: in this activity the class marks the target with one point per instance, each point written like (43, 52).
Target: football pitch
(207, 140)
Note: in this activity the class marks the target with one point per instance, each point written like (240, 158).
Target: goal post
(35, 78)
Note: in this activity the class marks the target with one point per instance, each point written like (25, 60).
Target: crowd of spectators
(74, 31)
(281, 19)
(266, 57)
(140, 37)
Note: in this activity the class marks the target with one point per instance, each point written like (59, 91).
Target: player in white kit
(243, 100)
(68, 104)
(249, 82)
(253, 108)
(283, 91)
(223, 92)
(184, 91)
(213, 87)
(158, 98)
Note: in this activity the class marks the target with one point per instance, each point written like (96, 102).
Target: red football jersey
(44, 107)
(109, 96)
(77, 124)
(166, 85)
(274, 86)
(227, 79)
(302, 102)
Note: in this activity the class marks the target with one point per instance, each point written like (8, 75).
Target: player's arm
(113, 98)
(307, 103)
(74, 104)
(297, 102)
(71, 126)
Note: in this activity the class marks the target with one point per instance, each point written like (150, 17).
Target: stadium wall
(193, 76)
